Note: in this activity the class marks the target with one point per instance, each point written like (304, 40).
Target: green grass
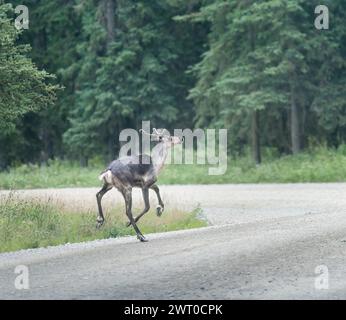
(28, 224)
(317, 165)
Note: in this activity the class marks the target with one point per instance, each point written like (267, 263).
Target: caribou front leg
(127, 193)
(161, 206)
(145, 193)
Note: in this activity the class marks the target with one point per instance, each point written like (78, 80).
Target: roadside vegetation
(315, 165)
(28, 224)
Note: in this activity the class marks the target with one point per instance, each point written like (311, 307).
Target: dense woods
(86, 69)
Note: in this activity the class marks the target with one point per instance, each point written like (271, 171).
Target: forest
(84, 70)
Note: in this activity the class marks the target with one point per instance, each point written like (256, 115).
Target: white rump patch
(106, 176)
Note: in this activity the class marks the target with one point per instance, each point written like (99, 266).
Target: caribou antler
(156, 132)
(159, 132)
(147, 133)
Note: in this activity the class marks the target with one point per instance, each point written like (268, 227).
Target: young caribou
(139, 171)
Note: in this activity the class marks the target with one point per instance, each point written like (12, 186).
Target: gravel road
(264, 242)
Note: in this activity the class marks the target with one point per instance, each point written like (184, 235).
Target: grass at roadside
(317, 165)
(28, 224)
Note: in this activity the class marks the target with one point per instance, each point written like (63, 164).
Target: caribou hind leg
(100, 218)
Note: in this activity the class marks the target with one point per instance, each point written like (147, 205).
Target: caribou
(139, 171)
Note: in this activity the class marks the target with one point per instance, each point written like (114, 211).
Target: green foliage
(257, 68)
(55, 174)
(263, 55)
(23, 87)
(138, 75)
(317, 164)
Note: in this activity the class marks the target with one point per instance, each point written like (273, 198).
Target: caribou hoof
(159, 210)
(141, 238)
(99, 223)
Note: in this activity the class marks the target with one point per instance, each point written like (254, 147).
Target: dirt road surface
(264, 242)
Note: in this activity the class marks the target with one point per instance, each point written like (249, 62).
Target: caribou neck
(159, 156)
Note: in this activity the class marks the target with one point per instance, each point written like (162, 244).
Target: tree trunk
(47, 151)
(110, 15)
(110, 20)
(83, 161)
(111, 146)
(255, 139)
(256, 148)
(295, 123)
(2, 162)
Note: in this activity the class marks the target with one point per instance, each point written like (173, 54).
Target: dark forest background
(258, 68)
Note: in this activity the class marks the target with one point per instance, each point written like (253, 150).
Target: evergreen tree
(259, 68)
(23, 88)
(133, 67)
(262, 73)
